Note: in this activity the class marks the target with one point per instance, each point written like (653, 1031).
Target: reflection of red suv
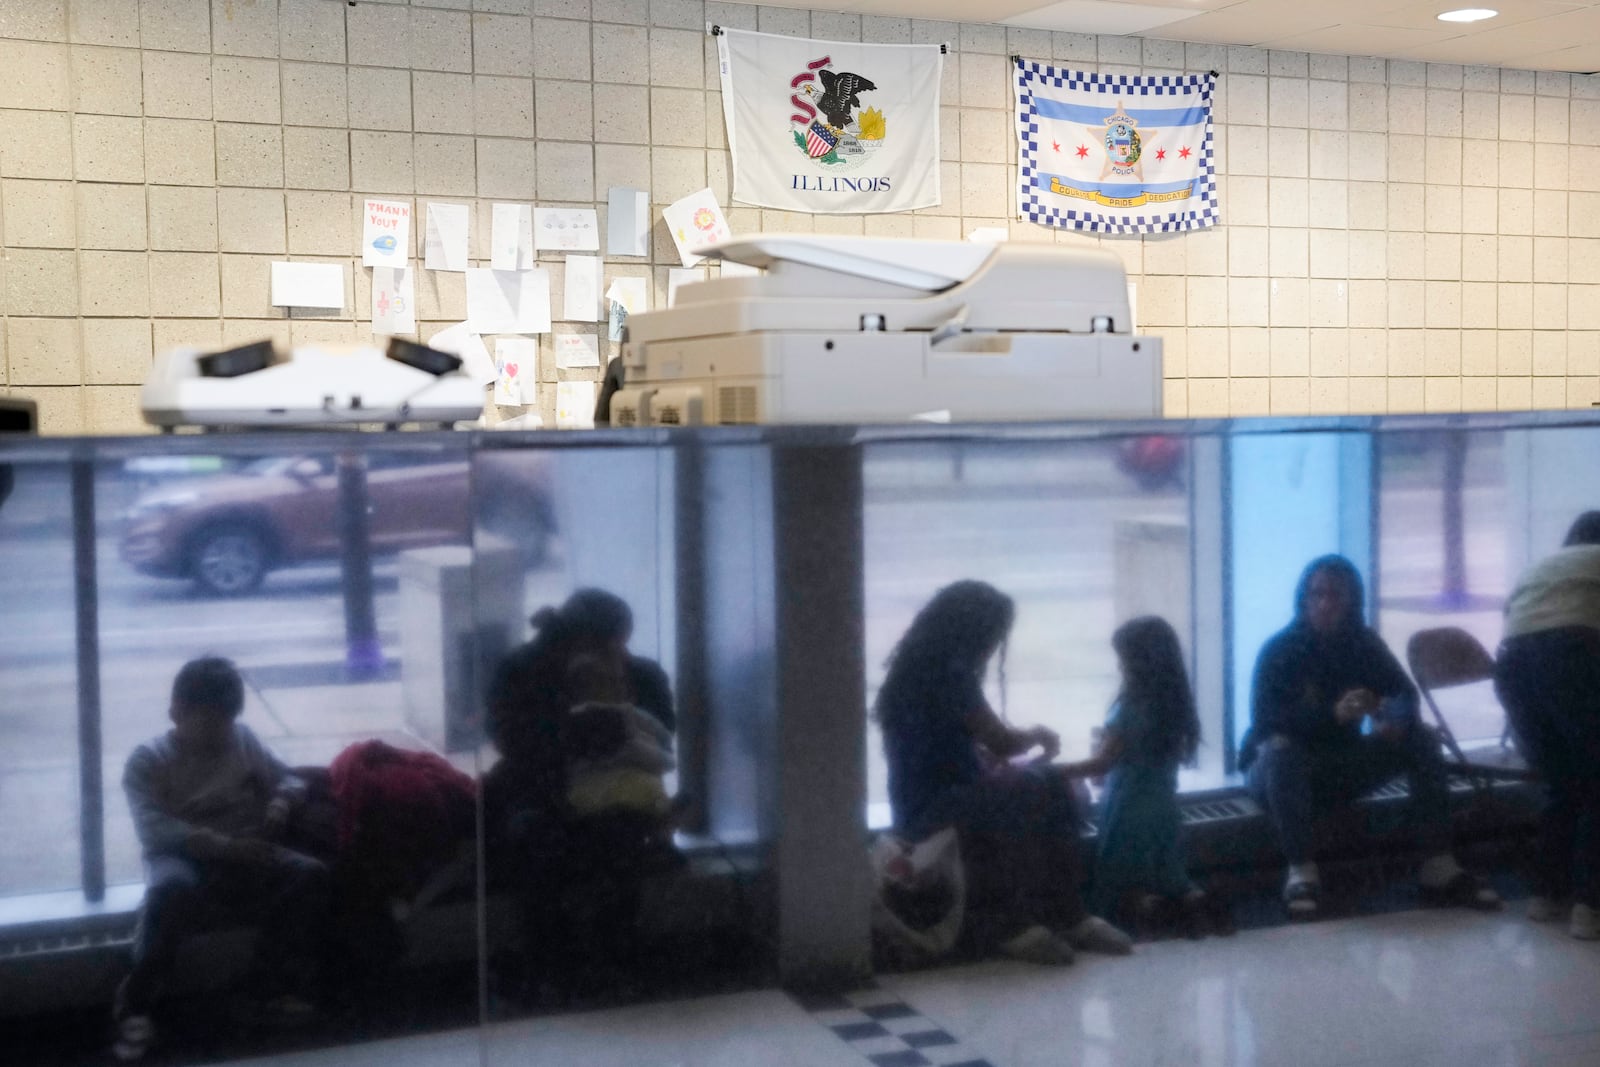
(227, 531)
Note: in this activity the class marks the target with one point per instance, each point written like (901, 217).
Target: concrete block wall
(1398, 236)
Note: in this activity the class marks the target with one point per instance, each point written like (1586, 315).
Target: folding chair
(1449, 656)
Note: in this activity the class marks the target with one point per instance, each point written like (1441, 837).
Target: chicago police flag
(1115, 153)
(828, 126)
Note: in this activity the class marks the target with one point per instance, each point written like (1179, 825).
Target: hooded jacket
(1301, 674)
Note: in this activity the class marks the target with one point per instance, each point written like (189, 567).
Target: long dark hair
(588, 618)
(1153, 677)
(1585, 530)
(955, 631)
(532, 689)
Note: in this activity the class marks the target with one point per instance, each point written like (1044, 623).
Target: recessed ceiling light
(1468, 14)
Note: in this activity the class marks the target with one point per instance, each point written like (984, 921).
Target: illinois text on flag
(829, 126)
(1115, 153)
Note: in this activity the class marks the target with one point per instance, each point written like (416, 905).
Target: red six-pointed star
(1056, 145)
(1184, 152)
(1083, 151)
(1161, 153)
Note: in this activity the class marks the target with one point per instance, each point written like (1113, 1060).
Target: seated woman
(949, 765)
(1548, 676)
(1316, 682)
(573, 828)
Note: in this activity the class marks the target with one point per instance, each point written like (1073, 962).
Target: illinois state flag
(829, 126)
(1115, 153)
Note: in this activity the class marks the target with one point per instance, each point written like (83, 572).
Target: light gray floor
(1419, 989)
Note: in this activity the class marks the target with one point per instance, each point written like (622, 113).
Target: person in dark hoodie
(1318, 682)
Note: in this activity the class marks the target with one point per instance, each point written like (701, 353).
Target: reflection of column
(689, 539)
(824, 896)
(91, 802)
(363, 652)
(785, 687)
(1454, 591)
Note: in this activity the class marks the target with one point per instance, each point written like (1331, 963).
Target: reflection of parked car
(227, 531)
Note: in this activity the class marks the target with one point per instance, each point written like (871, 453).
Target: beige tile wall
(1398, 237)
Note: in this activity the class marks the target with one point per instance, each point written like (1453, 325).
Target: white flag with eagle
(830, 126)
(1115, 153)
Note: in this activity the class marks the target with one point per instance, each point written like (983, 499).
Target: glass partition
(1082, 534)
(453, 638)
(39, 751)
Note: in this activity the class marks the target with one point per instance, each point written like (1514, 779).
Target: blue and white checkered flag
(1115, 153)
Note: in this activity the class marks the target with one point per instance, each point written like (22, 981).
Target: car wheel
(228, 560)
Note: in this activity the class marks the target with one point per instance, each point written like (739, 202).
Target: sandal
(1303, 899)
(1465, 890)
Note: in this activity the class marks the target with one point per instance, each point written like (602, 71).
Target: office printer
(870, 330)
(313, 385)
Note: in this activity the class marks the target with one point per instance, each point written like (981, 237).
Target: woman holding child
(578, 815)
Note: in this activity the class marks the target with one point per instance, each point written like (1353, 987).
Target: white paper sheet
(518, 361)
(626, 296)
(386, 233)
(577, 350)
(574, 405)
(696, 221)
(394, 301)
(574, 229)
(445, 242)
(580, 296)
(459, 340)
(677, 278)
(989, 234)
(628, 222)
(511, 237)
(308, 285)
(730, 269)
(508, 301)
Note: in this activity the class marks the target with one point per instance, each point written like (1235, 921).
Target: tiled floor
(1420, 989)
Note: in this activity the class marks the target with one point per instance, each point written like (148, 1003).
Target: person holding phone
(1333, 717)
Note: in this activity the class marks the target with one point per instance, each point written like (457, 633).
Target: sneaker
(1303, 899)
(1036, 944)
(1094, 934)
(1585, 923)
(1543, 910)
(135, 1035)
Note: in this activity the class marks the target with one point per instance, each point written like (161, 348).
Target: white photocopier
(854, 329)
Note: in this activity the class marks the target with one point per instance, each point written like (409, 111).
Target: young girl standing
(1151, 729)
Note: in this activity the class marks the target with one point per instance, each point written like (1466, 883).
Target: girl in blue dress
(1151, 729)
